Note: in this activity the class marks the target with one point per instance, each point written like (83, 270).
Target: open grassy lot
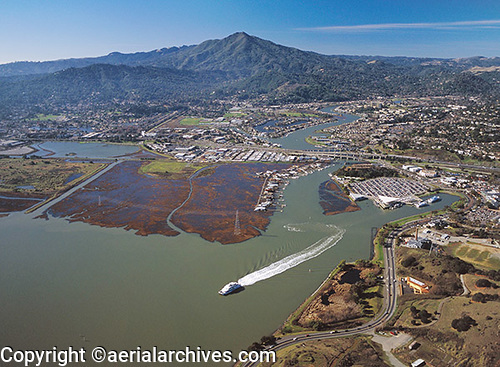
(170, 169)
(405, 316)
(470, 282)
(374, 299)
(235, 115)
(358, 351)
(442, 345)
(191, 121)
(300, 114)
(310, 140)
(42, 117)
(46, 176)
(440, 272)
(484, 257)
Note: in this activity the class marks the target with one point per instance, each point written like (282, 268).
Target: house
(418, 363)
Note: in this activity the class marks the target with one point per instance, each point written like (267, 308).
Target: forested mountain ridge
(244, 66)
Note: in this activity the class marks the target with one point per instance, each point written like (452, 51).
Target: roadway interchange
(383, 316)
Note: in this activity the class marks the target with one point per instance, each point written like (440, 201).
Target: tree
(409, 261)
(414, 311)
(459, 266)
(464, 323)
(479, 297)
(425, 316)
(255, 347)
(268, 340)
(483, 283)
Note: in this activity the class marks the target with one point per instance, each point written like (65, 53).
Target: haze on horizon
(42, 31)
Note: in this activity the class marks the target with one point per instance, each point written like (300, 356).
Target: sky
(39, 30)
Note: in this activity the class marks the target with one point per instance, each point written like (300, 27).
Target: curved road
(386, 314)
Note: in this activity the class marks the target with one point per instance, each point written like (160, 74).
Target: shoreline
(302, 306)
(334, 200)
(201, 208)
(19, 151)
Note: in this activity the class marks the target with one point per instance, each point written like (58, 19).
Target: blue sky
(38, 30)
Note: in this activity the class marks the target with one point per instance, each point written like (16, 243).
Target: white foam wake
(291, 261)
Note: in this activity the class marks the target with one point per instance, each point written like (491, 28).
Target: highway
(388, 310)
(360, 155)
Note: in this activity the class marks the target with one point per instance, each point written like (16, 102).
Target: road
(359, 155)
(388, 310)
(48, 204)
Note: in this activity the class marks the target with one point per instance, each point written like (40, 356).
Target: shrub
(255, 347)
(479, 297)
(424, 314)
(464, 323)
(459, 266)
(316, 325)
(414, 311)
(268, 340)
(483, 283)
(409, 261)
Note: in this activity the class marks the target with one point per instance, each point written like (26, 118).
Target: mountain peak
(239, 35)
(236, 38)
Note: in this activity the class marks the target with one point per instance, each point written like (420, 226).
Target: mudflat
(220, 207)
(333, 200)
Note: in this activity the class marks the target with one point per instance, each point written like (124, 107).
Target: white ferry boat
(230, 288)
(421, 204)
(433, 199)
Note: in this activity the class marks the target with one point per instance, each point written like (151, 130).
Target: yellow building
(417, 285)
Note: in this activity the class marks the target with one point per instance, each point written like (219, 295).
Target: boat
(396, 206)
(230, 288)
(433, 199)
(421, 204)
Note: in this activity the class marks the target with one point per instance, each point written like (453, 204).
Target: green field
(484, 257)
(45, 175)
(42, 117)
(310, 140)
(404, 314)
(171, 169)
(299, 114)
(375, 303)
(235, 115)
(192, 121)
